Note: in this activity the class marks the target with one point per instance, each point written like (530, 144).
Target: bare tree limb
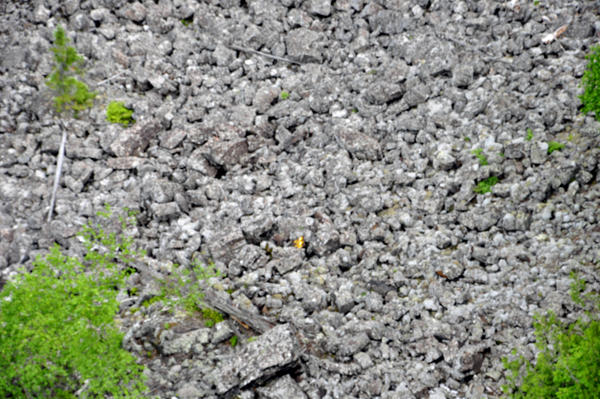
(111, 78)
(258, 323)
(59, 163)
(274, 57)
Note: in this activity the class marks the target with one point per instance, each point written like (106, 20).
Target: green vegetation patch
(482, 159)
(554, 146)
(568, 366)
(211, 317)
(591, 83)
(117, 113)
(529, 135)
(485, 186)
(58, 328)
(284, 95)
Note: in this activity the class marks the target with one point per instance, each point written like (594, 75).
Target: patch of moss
(117, 113)
(211, 317)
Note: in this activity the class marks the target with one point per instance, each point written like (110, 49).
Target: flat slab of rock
(284, 388)
(274, 352)
(134, 140)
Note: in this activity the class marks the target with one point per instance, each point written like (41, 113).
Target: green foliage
(71, 94)
(467, 139)
(182, 289)
(58, 325)
(152, 301)
(553, 146)
(482, 159)
(187, 22)
(233, 341)
(252, 339)
(485, 186)
(529, 135)
(591, 83)
(211, 317)
(354, 111)
(285, 95)
(117, 113)
(568, 366)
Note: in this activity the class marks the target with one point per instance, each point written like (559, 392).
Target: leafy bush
(553, 146)
(71, 94)
(117, 113)
(482, 159)
(57, 329)
(568, 366)
(591, 83)
(285, 95)
(485, 186)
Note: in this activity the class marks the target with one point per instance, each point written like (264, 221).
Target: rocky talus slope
(411, 284)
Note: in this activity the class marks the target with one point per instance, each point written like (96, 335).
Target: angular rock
(301, 46)
(283, 388)
(224, 244)
(383, 92)
(136, 12)
(134, 140)
(274, 352)
(358, 144)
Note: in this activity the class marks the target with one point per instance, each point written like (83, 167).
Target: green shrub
(285, 95)
(591, 83)
(485, 186)
(71, 94)
(233, 341)
(482, 159)
(57, 325)
(554, 146)
(182, 288)
(568, 366)
(117, 113)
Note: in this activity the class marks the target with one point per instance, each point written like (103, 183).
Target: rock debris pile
(411, 284)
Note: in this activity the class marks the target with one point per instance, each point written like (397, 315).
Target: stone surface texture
(409, 283)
